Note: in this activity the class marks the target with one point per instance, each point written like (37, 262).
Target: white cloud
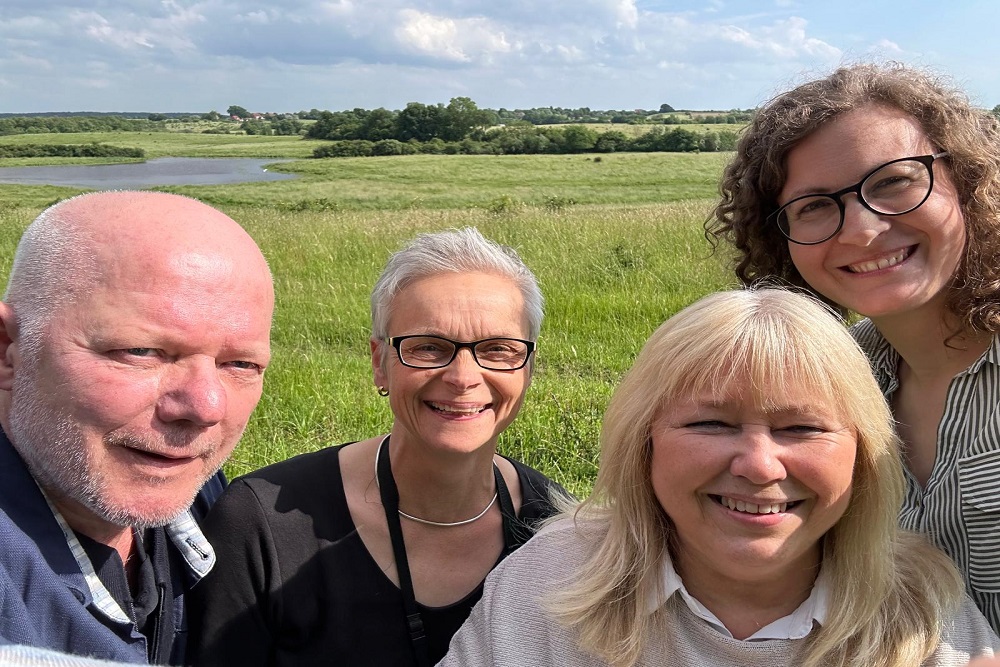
(32, 63)
(886, 46)
(294, 54)
(459, 40)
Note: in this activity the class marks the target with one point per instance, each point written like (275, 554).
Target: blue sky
(289, 55)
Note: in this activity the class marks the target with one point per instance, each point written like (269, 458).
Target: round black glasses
(493, 354)
(894, 188)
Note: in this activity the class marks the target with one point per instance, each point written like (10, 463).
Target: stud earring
(382, 391)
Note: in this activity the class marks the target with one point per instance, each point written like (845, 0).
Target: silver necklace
(440, 524)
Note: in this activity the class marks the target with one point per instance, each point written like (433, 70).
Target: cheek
(510, 388)
(829, 474)
(241, 402)
(671, 473)
(100, 397)
(807, 259)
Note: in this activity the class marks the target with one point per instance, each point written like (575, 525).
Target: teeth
(456, 410)
(751, 508)
(875, 265)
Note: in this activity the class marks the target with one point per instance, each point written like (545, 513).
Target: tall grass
(610, 273)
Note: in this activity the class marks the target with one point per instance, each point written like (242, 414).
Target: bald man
(134, 333)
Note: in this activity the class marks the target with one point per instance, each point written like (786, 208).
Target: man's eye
(245, 365)
(140, 351)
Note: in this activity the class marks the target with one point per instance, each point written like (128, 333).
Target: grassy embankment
(616, 244)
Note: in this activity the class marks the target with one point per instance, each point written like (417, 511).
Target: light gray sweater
(509, 627)
(29, 656)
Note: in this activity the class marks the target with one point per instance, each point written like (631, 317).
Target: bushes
(69, 150)
(530, 140)
(61, 124)
(349, 148)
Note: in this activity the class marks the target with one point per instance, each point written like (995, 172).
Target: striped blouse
(960, 506)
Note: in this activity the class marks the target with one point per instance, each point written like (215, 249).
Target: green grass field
(617, 246)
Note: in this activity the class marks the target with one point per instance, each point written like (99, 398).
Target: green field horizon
(617, 244)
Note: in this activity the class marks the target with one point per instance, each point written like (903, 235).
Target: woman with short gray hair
(374, 552)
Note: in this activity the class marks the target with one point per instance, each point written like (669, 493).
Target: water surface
(138, 175)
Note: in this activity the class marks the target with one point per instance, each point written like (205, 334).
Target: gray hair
(453, 251)
(54, 262)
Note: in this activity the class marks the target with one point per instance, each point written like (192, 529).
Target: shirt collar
(796, 625)
(183, 531)
(991, 355)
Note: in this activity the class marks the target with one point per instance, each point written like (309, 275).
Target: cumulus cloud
(185, 54)
(460, 40)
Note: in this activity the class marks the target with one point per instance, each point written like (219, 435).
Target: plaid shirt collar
(191, 544)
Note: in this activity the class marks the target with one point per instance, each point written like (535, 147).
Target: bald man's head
(136, 330)
(77, 242)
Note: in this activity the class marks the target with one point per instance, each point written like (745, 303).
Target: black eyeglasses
(493, 354)
(894, 188)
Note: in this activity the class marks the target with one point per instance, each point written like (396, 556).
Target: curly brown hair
(752, 181)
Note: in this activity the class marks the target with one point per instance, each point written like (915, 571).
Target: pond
(139, 175)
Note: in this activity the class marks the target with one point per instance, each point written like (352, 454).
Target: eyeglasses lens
(434, 352)
(898, 187)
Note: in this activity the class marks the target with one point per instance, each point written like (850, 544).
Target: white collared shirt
(796, 625)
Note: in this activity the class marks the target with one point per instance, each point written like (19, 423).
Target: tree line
(521, 140)
(457, 127)
(69, 124)
(69, 150)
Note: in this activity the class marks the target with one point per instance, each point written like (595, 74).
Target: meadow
(617, 245)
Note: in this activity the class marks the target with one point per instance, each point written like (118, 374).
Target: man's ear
(8, 348)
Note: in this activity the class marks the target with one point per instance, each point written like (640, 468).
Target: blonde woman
(878, 188)
(744, 515)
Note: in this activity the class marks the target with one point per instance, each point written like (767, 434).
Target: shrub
(503, 205)
(556, 203)
(69, 150)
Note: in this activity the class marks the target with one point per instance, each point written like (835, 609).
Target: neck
(84, 521)
(745, 606)
(444, 487)
(932, 344)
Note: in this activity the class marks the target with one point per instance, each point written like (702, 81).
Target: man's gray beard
(52, 447)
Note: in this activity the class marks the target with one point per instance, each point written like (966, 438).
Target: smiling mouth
(456, 410)
(882, 262)
(754, 508)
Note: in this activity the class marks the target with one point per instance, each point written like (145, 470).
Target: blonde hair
(889, 590)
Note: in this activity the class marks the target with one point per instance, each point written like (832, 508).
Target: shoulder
(551, 556)
(537, 491)
(308, 483)
(311, 464)
(965, 635)
(32, 656)
(511, 625)
(867, 336)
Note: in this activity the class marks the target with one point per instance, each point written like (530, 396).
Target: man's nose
(193, 392)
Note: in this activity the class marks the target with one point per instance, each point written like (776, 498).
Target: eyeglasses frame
(926, 160)
(397, 341)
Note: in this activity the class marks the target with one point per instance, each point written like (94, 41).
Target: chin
(148, 510)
